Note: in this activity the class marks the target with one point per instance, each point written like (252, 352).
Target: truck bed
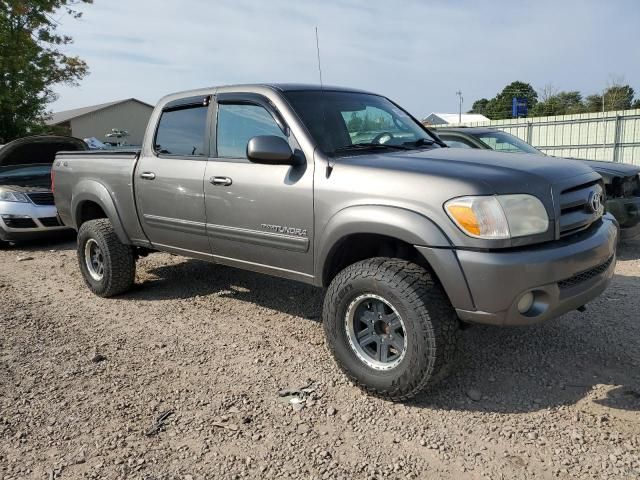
(112, 171)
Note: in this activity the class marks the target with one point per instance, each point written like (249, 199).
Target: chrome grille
(576, 207)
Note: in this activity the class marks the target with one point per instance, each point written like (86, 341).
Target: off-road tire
(432, 328)
(119, 260)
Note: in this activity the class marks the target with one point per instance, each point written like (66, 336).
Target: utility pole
(604, 128)
(459, 93)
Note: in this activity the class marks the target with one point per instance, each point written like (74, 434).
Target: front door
(169, 182)
(258, 216)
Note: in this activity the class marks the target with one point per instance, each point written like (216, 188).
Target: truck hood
(39, 149)
(501, 172)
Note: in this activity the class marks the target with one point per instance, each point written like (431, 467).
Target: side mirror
(271, 150)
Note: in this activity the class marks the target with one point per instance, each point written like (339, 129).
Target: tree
(560, 103)
(499, 107)
(593, 103)
(617, 96)
(31, 62)
(479, 106)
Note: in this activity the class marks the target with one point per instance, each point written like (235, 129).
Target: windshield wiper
(422, 142)
(367, 146)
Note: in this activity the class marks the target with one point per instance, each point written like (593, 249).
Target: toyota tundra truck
(345, 190)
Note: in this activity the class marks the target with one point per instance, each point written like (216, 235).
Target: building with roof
(130, 115)
(453, 118)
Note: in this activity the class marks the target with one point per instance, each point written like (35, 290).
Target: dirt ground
(84, 380)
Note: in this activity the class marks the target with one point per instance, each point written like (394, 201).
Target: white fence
(612, 136)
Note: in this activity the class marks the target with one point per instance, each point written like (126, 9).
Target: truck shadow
(193, 278)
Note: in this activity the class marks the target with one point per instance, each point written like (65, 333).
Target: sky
(416, 52)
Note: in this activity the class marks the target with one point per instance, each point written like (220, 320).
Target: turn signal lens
(465, 216)
(479, 217)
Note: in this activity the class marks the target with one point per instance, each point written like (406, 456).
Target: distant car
(27, 209)
(622, 181)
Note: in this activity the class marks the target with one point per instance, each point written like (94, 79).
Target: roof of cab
(281, 87)
(298, 87)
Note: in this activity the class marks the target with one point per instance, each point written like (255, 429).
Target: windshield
(24, 171)
(346, 123)
(505, 142)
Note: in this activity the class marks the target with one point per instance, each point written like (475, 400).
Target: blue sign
(519, 107)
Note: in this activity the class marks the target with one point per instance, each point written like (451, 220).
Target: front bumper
(563, 275)
(26, 221)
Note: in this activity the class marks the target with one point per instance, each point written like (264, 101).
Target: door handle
(220, 181)
(148, 175)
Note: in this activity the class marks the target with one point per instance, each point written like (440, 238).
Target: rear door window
(182, 132)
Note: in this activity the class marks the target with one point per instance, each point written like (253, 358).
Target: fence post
(616, 139)
(529, 130)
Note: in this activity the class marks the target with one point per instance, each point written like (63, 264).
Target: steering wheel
(382, 138)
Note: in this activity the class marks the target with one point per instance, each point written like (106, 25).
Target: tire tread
(438, 324)
(118, 256)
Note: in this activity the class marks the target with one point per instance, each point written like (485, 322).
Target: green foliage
(561, 103)
(480, 106)
(31, 62)
(499, 107)
(616, 97)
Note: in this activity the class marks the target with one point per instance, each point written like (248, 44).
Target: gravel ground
(84, 381)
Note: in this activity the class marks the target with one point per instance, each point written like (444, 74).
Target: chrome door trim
(257, 237)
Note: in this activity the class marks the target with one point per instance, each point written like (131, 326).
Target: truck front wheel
(390, 327)
(107, 265)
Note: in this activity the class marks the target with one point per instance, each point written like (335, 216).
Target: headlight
(7, 196)
(498, 216)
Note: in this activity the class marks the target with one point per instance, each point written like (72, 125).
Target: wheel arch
(359, 233)
(373, 221)
(92, 201)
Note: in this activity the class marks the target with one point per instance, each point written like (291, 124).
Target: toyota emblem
(595, 200)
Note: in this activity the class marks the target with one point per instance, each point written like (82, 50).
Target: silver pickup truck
(345, 190)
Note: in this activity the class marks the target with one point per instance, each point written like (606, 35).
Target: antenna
(319, 64)
(330, 163)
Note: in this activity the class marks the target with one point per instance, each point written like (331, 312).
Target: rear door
(169, 182)
(258, 216)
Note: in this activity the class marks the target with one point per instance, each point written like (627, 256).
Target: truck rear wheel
(390, 327)
(107, 265)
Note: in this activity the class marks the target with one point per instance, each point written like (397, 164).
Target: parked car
(27, 209)
(409, 238)
(621, 180)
